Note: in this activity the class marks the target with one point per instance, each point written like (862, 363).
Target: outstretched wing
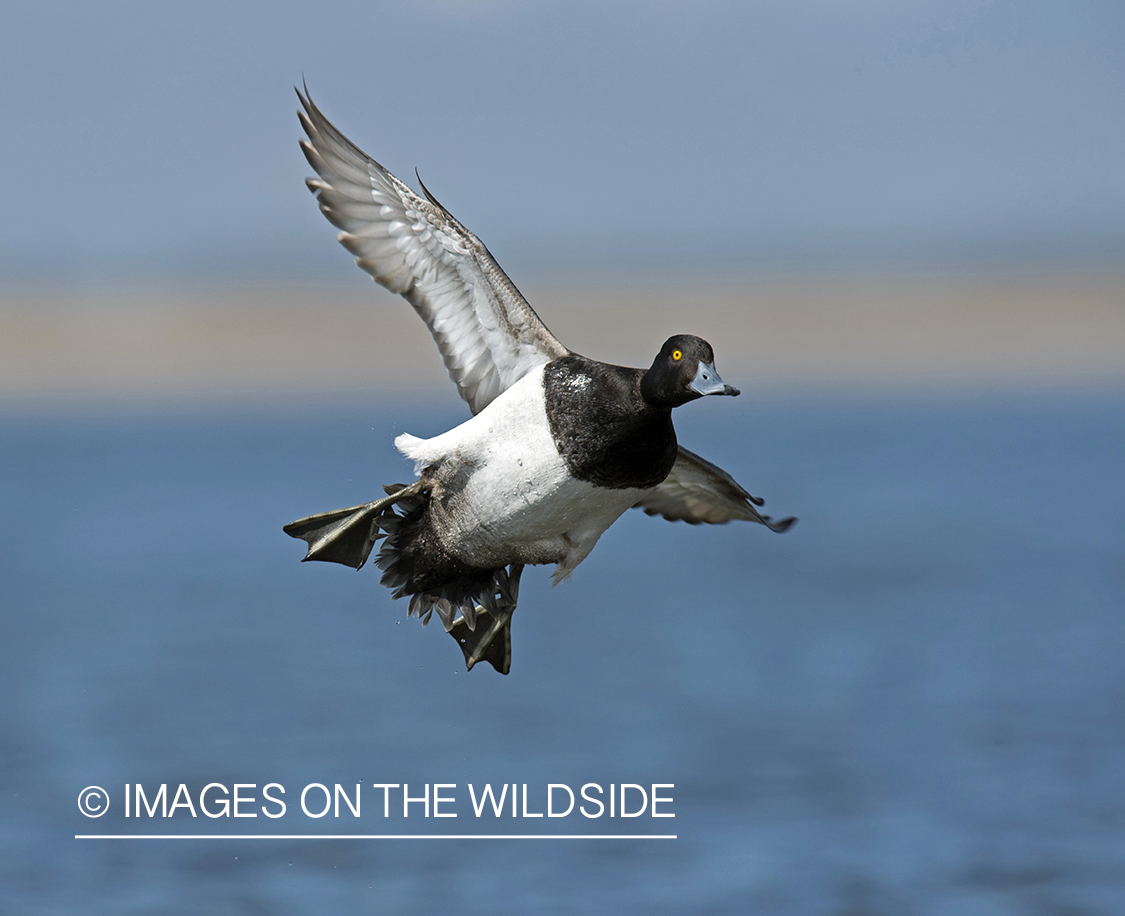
(487, 334)
(698, 491)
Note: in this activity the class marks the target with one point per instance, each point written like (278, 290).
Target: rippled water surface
(914, 702)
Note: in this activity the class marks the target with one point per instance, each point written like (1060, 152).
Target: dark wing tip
(305, 97)
(779, 527)
(430, 197)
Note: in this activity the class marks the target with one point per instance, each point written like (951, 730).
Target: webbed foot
(491, 639)
(347, 535)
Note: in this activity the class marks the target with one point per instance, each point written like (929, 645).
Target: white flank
(511, 497)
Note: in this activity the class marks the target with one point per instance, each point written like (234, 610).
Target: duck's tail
(474, 605)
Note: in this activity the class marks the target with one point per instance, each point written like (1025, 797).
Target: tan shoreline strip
(60, 343)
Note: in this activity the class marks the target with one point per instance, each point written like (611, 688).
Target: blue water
(912, 703)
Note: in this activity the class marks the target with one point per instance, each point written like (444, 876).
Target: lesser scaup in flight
(559, 446)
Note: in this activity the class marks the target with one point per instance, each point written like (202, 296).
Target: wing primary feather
(430, 197)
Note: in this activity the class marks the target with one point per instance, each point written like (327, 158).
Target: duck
(558, 446)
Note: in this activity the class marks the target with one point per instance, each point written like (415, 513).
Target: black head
(683, 370)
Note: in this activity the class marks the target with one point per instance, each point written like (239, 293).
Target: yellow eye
(677, 355)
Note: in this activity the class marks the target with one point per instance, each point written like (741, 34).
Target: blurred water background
(902, 227)
(913, 702)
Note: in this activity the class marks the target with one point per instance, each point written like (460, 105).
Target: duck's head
(683, 370)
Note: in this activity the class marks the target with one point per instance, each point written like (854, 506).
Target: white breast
(503, 493)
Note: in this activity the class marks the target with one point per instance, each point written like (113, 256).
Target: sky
(160, 140)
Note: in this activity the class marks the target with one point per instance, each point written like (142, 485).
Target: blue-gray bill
(707, 381)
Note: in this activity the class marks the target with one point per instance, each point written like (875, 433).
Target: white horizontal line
(375, 836)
